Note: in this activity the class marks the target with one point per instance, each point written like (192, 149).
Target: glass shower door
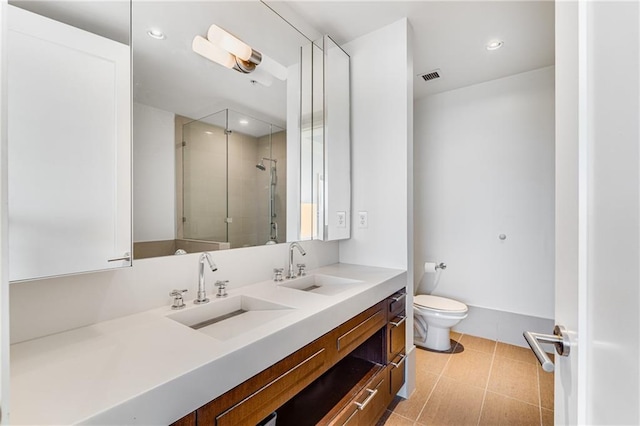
(205, 175)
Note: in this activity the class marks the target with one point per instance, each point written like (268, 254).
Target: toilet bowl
(434, 316)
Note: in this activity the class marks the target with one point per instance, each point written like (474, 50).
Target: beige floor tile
(547, 417)
(500, 410)
(452, 403)
(391, 419)
(470, 367)
(546, 381)
(514, 379)
(433, 362)
(454, 335)
(411, 407)
(478, 344)
(515, 352)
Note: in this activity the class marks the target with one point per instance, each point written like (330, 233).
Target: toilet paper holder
(434, 266)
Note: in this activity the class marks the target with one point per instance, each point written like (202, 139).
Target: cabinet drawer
(358, 329)
(261, 402)
(396, 373)
(368, 405)
(397, 303)
(396, 335)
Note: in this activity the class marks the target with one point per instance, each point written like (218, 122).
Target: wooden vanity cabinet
(343, 377)
(396, 332)
(188, 420)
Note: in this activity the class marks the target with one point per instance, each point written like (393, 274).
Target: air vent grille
(431, 75)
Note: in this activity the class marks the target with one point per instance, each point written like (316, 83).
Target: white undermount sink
(229, 317)
(327, 285)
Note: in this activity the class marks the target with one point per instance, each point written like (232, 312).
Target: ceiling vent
(431, 75)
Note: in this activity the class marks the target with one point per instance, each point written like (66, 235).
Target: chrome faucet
(292, 272)
(202, 290)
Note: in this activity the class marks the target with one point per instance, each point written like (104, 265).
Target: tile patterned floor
(482, 382)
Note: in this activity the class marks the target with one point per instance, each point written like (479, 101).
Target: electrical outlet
(342, 219)
(363, 220)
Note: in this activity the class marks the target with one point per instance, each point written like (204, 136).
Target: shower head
(261, 166)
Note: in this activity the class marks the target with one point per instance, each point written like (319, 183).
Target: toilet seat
(441, 304)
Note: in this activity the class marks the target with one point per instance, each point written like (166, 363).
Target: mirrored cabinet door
(69, 149)
(337, 150)
(332, 135)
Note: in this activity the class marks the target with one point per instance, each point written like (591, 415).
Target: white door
(598, 211)
(4, 261)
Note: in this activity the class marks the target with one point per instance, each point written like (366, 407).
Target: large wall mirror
(224, 154)
(216, 150)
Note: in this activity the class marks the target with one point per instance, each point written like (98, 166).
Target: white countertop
(149, 369)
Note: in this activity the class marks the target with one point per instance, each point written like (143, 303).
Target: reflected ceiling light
(494, 44)
(157, 34)
(231, 52)
(243, 121)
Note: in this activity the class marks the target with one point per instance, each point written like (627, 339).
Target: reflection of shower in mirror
(273, 180)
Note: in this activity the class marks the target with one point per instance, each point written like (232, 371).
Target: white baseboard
(502, 326)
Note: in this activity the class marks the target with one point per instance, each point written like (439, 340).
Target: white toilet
(434, 316)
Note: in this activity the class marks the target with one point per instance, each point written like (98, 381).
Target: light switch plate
(341, 219)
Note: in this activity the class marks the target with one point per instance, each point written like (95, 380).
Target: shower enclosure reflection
(233, 182)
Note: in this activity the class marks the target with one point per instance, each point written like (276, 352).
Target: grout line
(444, 367)
(539, 393)
(486, 387)
(400, 415)
(513, 399)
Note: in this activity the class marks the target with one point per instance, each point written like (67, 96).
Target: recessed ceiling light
(243, 122)
(157, 34)
(494, 44)
(208, 132)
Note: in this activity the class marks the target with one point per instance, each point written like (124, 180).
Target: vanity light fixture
(494, 44)
(229, 51)
(157, 34)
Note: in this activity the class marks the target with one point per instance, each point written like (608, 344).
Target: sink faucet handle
(178, 301)
(222, 288)
(301, 269)
(277, 274)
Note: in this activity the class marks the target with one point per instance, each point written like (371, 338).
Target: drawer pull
(397, 323)
(397, 364)
(361, 405)
(398, 298)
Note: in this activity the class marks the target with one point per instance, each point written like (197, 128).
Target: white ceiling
(449, 35)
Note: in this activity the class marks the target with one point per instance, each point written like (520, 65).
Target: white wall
(381, 165)
(484, 166)
(154, 200)
(40, 308)
(380, 113)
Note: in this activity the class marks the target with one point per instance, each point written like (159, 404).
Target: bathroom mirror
(216, 153)
(334, 220)
(175, 89)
